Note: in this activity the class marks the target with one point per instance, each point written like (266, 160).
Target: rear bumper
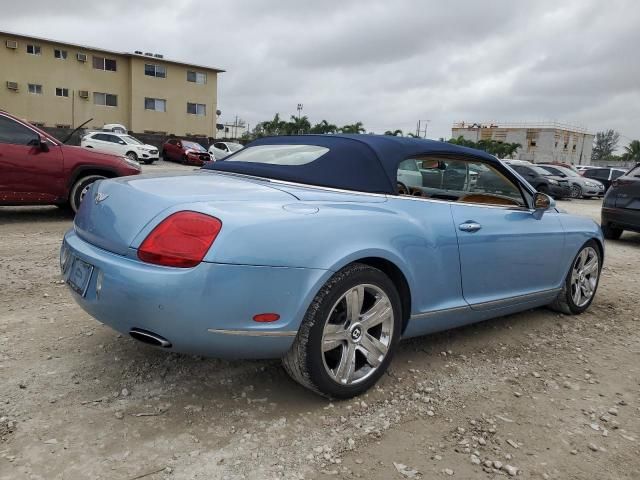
(206, 310)
(624, 218)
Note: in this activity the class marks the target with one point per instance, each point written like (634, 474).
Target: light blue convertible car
(310, 249)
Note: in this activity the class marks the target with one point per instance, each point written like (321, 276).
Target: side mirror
(542, 202)
(122, 142)
(40, 143)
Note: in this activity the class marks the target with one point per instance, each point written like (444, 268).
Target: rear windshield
(279, 154)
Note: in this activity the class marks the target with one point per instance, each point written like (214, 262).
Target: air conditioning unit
(83, 93)
(148, 54)
(12, 86)
(157, 55)
(12, 44)
(138, 52)
(82, 57)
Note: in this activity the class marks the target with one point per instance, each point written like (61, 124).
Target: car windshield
(131, 141)
(279, 154)
(539, 170)
(193, 146)
(234, 147)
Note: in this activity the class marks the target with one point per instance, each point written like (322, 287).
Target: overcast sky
(387, 63)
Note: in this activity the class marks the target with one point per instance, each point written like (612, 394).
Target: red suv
(37, 169)
(185, 151)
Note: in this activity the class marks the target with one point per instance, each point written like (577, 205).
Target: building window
(33, 49)
(156, 104)
(61, 54)
(35, 88)
(62, 92)
(37, 124)
(155, 70)
(196, 77)
(196, 108)
(106, 99)
(63, 125)
(101, 63)
(574, 148)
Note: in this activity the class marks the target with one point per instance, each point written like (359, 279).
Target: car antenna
(75, 130)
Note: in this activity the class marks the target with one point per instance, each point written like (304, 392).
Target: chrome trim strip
(493, 303)
(422, 316)
(255, 333)
(517, 298)
(356, 192)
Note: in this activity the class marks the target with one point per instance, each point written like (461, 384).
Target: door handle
(470, 226)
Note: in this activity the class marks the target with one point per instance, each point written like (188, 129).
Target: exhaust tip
(150, 338)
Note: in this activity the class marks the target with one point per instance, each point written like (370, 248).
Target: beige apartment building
(56, 84)
(541, 142)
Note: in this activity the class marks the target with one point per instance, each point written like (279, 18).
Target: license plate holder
(79, 276)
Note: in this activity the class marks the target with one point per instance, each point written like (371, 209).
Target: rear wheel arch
(90, 170)
(398, 278)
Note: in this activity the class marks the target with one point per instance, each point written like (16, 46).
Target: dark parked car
(604, 175)
(621, 206)
(37, 169)
(580, 186)
(185, 151)
(542, 180)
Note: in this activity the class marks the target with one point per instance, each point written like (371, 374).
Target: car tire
(611, 233)
(568, 300)
(340, 354)
(132, 156)
(576, 191)
(165, 156)
(80, 188)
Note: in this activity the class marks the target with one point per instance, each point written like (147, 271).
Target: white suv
(120, 144)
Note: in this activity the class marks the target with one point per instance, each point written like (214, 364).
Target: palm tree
(632, 151)
(394, 133)
(356, 128)
(272, 127)
(323, 127)
(297, 126)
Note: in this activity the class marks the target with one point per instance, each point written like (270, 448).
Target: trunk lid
(115, 211)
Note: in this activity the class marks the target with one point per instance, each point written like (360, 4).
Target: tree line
(605, 142)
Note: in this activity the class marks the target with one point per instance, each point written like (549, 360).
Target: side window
(599, 173)
(458, 180)
(171, 142)
(14, 133)
(616, 173)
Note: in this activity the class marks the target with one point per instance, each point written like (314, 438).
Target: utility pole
(300, 106)
(419, 132)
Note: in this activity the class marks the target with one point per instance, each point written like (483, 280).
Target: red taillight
(180, 240)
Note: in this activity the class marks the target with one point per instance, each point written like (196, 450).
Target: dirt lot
(548, 395)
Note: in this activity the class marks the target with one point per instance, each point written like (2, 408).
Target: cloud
(388, 64)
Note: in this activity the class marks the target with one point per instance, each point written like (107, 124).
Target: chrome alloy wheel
(584, 276)
(357, 334)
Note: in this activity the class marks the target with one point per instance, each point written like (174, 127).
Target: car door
(98, 141)
(600, 174)
(222, 146)
(117, 145)
(29, 173)
(508, 251)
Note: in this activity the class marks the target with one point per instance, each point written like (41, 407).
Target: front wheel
(581, 282)
(132, 156)
(348, 335)
(80, 189)
(576, 191)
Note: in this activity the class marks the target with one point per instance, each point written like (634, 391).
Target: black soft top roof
(365, 163)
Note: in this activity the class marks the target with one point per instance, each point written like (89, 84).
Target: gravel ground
(533, 395)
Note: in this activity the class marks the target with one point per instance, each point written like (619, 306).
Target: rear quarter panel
(417, 237)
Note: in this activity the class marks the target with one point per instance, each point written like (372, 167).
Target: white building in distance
(541, 142)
